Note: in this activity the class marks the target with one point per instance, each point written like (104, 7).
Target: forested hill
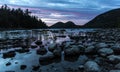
(109, 19)
(17, 18)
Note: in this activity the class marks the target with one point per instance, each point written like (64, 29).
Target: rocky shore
(96, 51)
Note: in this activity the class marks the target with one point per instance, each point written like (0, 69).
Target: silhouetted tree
(17, 18)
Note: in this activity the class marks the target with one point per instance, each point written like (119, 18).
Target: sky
(52, 11)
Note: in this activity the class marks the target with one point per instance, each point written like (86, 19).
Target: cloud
(51, 11)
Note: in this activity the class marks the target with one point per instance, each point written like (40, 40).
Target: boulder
(101, 45)
(114, 59)
(41, 51)
(91, 66)
(72, 51)
(9, 63)
(23, 67)
(90, 50)
(22, 50)
(38, 42)
(9, 54)
(35, 68)
(105, 51)
(46, 59)
(33, 46)
(57, 52)
(116, 48)
(117, 66)
(52, 47)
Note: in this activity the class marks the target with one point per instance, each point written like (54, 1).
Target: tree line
(17, 18)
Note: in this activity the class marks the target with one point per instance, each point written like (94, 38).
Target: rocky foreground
(97, 51)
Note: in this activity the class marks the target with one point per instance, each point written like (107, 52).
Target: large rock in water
(9, 54)
(101, 45)
(110, 19)
(105, 51)
(52, 47)
(114, 59)
(91, 66)
(46, 59)
(116, 48)
(41, 51)
(75, 50)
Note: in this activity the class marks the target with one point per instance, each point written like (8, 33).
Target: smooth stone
(91, 66)
(105, 51)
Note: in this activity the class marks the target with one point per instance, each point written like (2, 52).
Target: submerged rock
(91, 66)
(9, 63)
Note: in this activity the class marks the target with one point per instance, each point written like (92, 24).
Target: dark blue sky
(52, 11)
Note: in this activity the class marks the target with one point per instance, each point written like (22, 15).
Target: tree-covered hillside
(17, 18)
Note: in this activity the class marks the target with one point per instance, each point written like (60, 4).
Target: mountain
(18, 19)
(68, 24)
(110, 19)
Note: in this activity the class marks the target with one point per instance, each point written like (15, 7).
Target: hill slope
(68, 24)
(110, 19)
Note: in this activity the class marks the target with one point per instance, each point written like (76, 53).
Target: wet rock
(81, 67)
(114, 59)
(9, 63)
(52, 47)
(22, 50)
(16, 62)
(101, 45)
(91, 66)
(25, 46)
(83, 59)
(90, 50)
(116, 48)
(41, 51)
(33, 46)
(38, 42)
(117, 66)
(35, 68)
(57, 52)
(105, 51)
(46, 59)
(114, 71)
(72, 51)
(23, 67)
(9, 54)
